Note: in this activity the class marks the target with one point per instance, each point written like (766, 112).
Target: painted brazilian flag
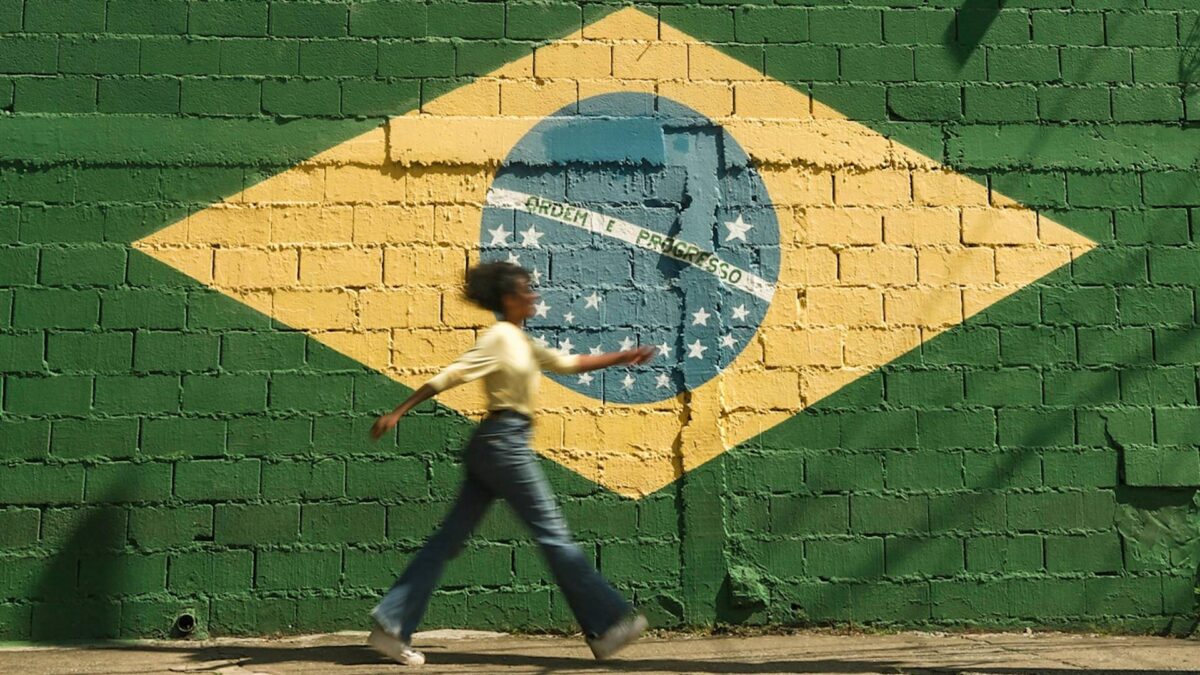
(922, 284)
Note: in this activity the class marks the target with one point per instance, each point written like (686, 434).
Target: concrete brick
(1023, 64)
(85, 529)
(404, 475)
(302, 97)
(217, 480)
(877, 514)
(992, 103)
(824, 514)
(416, 59)
(241, 614)
(56, 308)
(130, 16)
(258, 436)
(1100, 552)
(861, 558)
(64, 394)
(771, 24)
(379, 97)
(275, 570)
(303, 479)
(801, 62)
(968, 599)
(925, 557)
(98, 55)
(388, 19)
(224, 393)
(257, 523)
(845, 472)
(154, 527)
(116, 394)
(925, 469)
(223, 96)
(259, 57)
(53, 16)
(139, 95)
(107, 438)
(179, 56)
(182, 436)
(342, 523)
(471, 20)
(211, 572)
(320, 58)
(141, 573)
(22, 352)
(175, 352)
(19, 527)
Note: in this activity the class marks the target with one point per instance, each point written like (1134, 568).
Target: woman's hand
(629, 357)
(636, 357)
(384, 424)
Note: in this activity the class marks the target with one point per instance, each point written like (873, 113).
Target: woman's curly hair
(488, 283)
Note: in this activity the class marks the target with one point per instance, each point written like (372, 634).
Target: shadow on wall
(75, 597)
(974, 19)
(1189, 60)
(90, 588)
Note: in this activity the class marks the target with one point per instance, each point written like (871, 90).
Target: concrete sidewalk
(474, 652)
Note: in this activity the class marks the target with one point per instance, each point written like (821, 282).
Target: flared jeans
(500, 464)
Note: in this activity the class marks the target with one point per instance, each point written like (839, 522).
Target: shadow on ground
(875, 661)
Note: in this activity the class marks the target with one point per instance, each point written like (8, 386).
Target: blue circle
(677, 176)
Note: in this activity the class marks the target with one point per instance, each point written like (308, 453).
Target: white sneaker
(618, 637)
(394, 648)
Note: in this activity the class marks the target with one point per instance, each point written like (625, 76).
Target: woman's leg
(402, 607)
(511, 470)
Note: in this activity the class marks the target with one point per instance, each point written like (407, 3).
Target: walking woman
(500, 464)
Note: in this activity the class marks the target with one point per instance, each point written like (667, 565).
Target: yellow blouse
(510, 364)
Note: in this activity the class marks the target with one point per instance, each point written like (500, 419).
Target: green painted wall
(165, 449)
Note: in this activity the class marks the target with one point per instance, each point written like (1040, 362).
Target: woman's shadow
(889, 659)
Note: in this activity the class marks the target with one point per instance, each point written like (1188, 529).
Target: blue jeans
(499, 463)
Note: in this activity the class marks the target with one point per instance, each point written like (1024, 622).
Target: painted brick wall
(183, 420)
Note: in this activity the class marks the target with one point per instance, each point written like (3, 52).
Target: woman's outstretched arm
(629, 357)
(482, 358)
(387, 422)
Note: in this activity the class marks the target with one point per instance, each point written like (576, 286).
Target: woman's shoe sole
(394, 649)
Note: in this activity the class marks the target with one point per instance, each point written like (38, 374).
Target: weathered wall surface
(922, 276)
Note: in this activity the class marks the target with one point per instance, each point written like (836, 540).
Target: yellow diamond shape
(364, 246)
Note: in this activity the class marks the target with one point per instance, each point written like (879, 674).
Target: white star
(595, 351)
(514, 259)
(541, 341)
(569, 317)
(626, 343)
(664, 349)
(727, 341)
(541, 308)
(696, 350)
(593, 301)
(565, 346)
(700, 318)
(737, 229)
(628, 381)
(662, 381)
(740, 312)
(585, 378)
(499, 236)
(536, 276)
(530, 237)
